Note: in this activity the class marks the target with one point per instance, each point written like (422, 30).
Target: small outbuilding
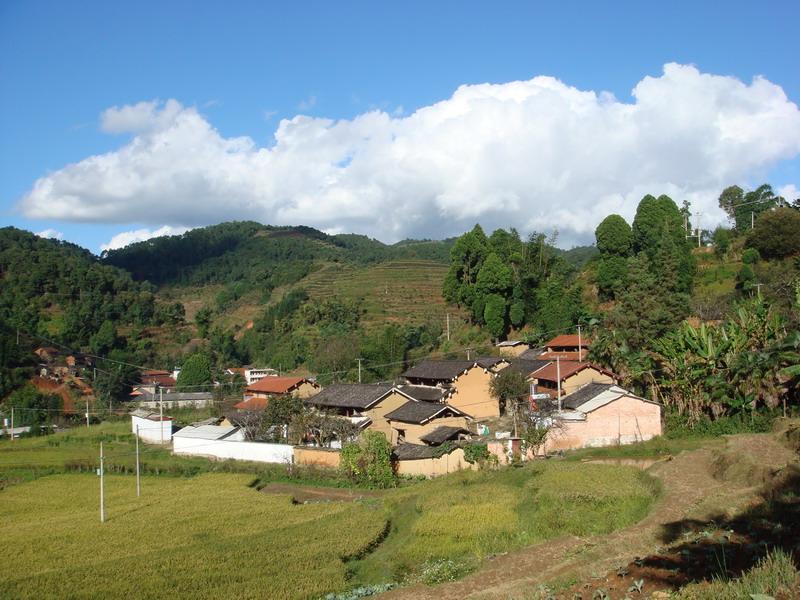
(603, 414)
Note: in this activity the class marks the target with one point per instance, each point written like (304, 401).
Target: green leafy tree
(32, 408)
(722, 241)
(614, 236)
(776, 233)
(509, 388)
(494, 315)
(653, 217)
(203, 320)
(195, 372)
(105, 339)
(612, 276)
(730, 198)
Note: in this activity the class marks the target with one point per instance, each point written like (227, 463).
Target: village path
(690, 490)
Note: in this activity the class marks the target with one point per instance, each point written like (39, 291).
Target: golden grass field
(213, 535)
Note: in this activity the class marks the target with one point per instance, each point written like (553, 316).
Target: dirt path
(690, 491)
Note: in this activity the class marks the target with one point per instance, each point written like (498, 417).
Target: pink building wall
(623, 421)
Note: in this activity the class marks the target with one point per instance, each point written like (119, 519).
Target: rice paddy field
(214, 534)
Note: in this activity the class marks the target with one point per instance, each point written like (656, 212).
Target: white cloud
(139, 235)
(789, 192)
(534, 154)
(51, 234)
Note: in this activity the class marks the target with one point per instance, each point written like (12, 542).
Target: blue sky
(242, 67)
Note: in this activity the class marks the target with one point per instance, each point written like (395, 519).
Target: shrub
(368, 462)
(750, 256)
(474, 453)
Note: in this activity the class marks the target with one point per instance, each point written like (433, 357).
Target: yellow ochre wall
(432, 467)
(377, 412)
(471, 395)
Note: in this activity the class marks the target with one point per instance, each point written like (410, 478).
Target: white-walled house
(150, 427)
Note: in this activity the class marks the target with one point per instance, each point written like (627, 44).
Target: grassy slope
(214, 536)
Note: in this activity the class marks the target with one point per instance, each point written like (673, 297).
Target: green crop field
(213, 534)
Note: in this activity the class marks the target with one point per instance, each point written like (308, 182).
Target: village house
(603, 414)
(467, 381)
(512, 348)
(251, 374)
(414, 422)
(365, 404)
(153, 380)
(257, 395)
(571, 374)
(568, 346)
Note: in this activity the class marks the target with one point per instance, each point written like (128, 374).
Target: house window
(401, 435)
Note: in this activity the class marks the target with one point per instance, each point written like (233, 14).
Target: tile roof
(568, 368)
(439, 370)
(419, 412)
(275, 385)
(253, 403)
(351, 395)
(441, 434)
(584, 394)
(425, 393)
(531, 354)
(563, 355)
(527, 366)
(489, 361)
(567, 339)
(415, 451)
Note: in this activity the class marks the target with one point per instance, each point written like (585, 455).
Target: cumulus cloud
(536, 154)
(139, 235)
(789, 192)
(51, 234)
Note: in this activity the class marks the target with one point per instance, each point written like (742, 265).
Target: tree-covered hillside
(59, 290)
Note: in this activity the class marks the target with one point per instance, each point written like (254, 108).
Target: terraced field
(398, 291)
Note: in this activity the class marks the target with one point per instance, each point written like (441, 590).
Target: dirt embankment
(708, 508)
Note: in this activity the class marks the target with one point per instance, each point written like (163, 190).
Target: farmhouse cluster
(429, 416)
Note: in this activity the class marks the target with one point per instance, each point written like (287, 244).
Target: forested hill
(259, 255)
(58, 289)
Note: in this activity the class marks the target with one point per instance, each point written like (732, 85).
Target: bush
(750, 256)
(368, 462)
(476, 453)
(755, 422)
(442, 570)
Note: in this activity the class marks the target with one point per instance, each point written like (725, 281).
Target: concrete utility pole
(558, 382)
(698, 215)
(102, 491)
(752, 219)
(359, 369)
(12, 423)
(161, 413)
(468, 351)
(87, 414)
(138, 481)
(580, 345)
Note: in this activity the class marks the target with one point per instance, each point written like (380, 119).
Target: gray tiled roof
(425, 393)
(527, 366)
(417, 412)
(350, 395)
(584, 394)
(489, 361)
(441, 434)
(415, 451)
(439, 370)
(531, 354)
